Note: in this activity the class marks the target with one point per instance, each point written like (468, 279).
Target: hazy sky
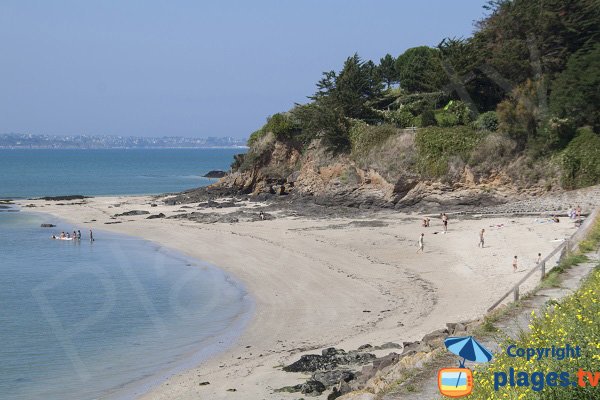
(192, 68)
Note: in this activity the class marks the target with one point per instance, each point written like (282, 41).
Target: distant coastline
(81, 142)
(121, 148)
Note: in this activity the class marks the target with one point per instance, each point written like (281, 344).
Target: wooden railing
(563, 249)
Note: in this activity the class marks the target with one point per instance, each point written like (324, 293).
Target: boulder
(330, 378)
(154, 216)
(410, 348)
(435, 338)
(312, 388)
(133, 212)
(309, 363)
(386, 361)
(215, 174)
(328, 360)
(389, 345)
(339, 390)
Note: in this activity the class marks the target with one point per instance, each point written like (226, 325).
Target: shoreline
(319, 283)
(204, 349)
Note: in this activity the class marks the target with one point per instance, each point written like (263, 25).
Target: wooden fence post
(543, 270)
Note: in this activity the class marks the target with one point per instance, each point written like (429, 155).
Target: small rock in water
(215, 174)
(48, 226)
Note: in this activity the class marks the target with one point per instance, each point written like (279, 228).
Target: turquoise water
(82, 320)
(34, 173)
(112, 318)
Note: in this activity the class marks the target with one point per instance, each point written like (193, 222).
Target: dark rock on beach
(64, 198)
(328, 360)
(215, 174)
(312, 388)
(330, 378)
(154, 216)
(133, 212)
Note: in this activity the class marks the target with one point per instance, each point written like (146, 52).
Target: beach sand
(318, 283)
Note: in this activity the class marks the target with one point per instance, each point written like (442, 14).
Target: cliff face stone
(280, 169)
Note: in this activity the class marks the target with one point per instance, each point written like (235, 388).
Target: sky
(193, 68)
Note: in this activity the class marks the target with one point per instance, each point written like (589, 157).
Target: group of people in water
(76, 235)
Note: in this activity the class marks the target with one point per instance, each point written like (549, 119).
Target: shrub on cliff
(580, 161)
(281, 125)
(427, 119)
(364, 137)
(402, 118)
(488, 121)
(436, 146)
(494, 151)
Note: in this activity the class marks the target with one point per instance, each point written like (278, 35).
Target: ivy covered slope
(513, 108)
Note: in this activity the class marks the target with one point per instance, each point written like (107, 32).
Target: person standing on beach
(481, 240)
(515, 264)
(539, 259)
(421, 243)
(445, 222)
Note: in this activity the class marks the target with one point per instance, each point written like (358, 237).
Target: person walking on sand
(539, 259)
(445, 222)
(481, 240)
(515, 264)
(421, 243)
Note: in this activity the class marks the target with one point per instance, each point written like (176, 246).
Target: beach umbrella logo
(458, 382)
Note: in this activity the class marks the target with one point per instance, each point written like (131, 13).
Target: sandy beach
(318, 283)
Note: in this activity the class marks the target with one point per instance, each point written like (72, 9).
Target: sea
(113, 317)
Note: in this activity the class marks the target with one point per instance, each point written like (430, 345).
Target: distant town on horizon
(30, 141)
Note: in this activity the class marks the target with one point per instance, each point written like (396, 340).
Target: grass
(552, 279)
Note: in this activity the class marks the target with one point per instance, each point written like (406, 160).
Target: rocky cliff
(383, 178)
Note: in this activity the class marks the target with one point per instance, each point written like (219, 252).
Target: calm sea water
(108, 319)
(30, 173)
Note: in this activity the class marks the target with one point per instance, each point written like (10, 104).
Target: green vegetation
(488, 121)
(436, 146)
(364, 137)
(581, 160)
(529, 74)
(283, 126)
(575, 91)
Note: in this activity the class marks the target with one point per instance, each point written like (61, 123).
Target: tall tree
(387, 70)
(419, 70)
(576, 91)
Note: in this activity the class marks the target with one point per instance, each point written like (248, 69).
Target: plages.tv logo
(458, 382)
